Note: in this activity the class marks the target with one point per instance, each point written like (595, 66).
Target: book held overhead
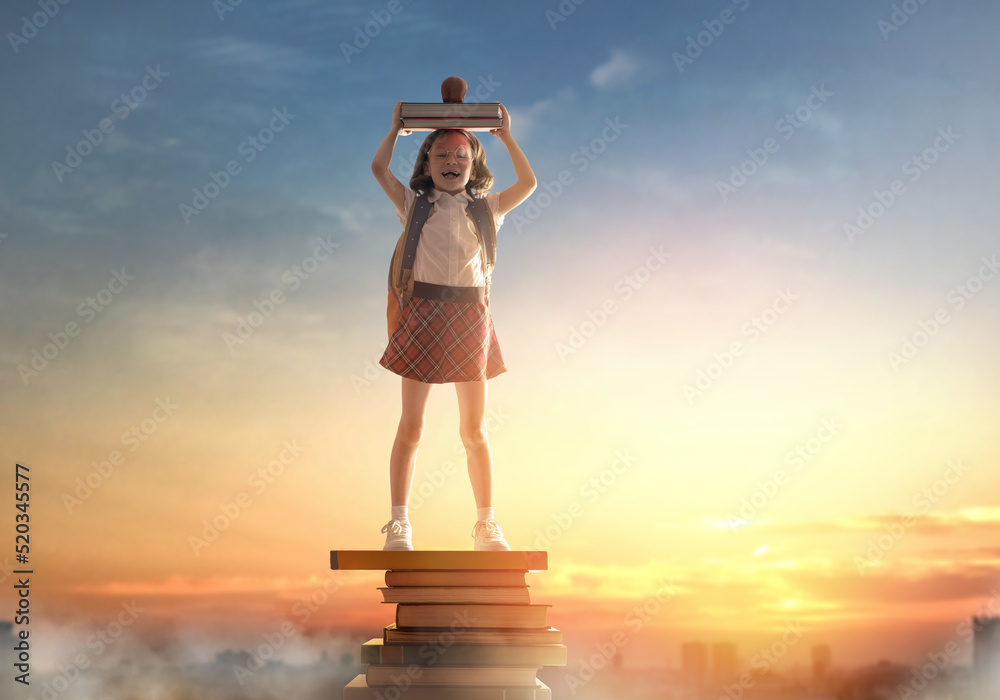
(451, 112)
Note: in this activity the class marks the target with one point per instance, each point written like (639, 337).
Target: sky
(750, 314)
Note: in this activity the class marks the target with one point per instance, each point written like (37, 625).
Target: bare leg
(408, 434)
(472, 428)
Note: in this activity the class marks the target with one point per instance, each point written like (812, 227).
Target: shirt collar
(435, 194)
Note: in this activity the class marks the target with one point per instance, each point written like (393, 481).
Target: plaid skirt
(438, 342)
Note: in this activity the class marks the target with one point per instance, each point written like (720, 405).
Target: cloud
(973, 590)
(960, 522)
(667, 185)
(524, 119)
(261, 64)
(615, 71)
(212, 585)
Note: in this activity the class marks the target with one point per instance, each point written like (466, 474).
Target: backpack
(401, 265)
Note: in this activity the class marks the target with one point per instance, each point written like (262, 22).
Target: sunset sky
(751, 314)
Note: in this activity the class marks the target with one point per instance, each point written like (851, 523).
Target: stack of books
(471, 116)
(465, 627)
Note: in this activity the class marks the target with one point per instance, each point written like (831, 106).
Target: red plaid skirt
(438, 342)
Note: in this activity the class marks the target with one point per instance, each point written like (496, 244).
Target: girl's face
(449, 163)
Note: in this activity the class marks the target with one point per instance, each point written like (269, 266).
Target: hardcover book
(361, 560)
(358, 689)
(456, 594)
(472, 116)
(470, 635)
(376, 651)
(434, 123)
(471, 615)
(454, 578)
(456, 110)
(492, 676)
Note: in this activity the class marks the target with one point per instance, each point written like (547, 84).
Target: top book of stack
(424, 560)
(471, 116)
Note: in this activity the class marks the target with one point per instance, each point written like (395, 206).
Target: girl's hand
(504, 130)
(397, 119)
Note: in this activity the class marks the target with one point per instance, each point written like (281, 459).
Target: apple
(453, 89)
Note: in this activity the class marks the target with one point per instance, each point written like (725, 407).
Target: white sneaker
(398, 534)
(489, 537)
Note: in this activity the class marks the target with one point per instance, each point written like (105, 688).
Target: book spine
(400, 579)
(509, 595)
(473, 615)
(487, 676)
(465, 655)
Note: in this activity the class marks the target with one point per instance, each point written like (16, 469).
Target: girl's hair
(481, 179)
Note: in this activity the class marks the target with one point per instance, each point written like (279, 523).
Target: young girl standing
(445, 333)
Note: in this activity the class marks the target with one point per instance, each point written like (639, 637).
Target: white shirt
(448, 250)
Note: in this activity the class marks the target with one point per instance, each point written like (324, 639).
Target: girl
(445, 333)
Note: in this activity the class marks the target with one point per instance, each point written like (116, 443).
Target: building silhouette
(986, 656)
(878, 681)
(724, 668)
(694, 663)
(821, 658)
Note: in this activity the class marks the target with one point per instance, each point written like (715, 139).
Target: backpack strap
(418, 217)
(486, 228)
(401, 267)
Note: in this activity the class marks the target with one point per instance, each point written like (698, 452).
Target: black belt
(438, 292)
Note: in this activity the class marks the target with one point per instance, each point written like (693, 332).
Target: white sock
(485, 513)
(399, 513)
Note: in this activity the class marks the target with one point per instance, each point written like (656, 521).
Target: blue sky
(685, 130)
(640, 142)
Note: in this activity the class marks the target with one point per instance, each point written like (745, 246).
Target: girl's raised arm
(383, 157)
(526, 183)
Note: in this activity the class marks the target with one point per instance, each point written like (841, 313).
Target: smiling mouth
(450, 175)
